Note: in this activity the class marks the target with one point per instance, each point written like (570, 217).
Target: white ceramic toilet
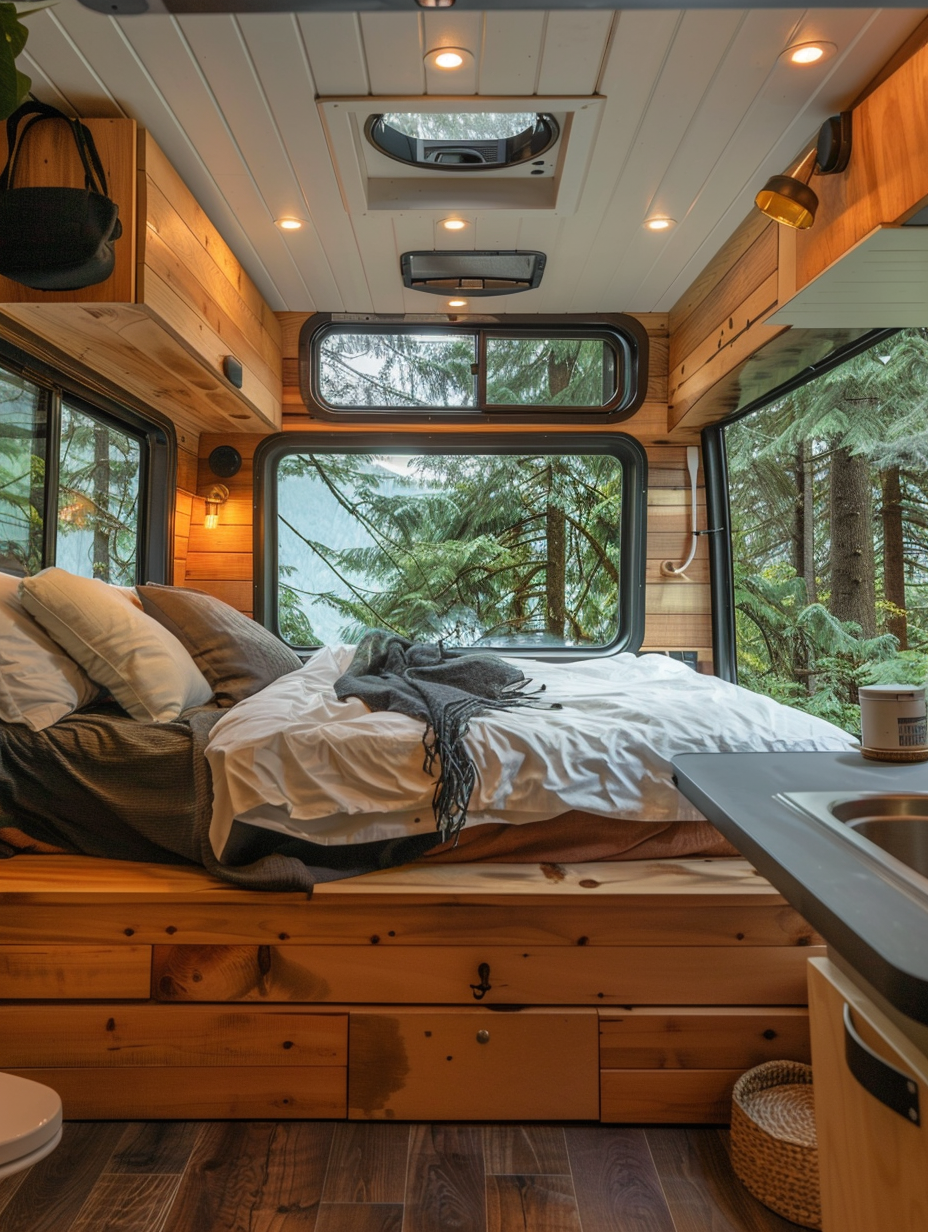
(30, 1123)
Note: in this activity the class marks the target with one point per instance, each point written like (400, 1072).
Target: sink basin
(892, 827)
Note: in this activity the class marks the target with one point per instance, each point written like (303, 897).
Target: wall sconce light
(788, 199)
(217, 495)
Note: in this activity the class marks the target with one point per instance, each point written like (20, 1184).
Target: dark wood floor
(381, 1177)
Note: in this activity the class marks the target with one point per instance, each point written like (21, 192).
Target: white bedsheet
(295, 759)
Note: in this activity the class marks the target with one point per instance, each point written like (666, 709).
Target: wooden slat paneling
(700, 1096)
(688, 1037)
(256, 1092)
(649, 975)
(117, 1036)
(62, 972)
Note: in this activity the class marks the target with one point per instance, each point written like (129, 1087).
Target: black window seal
(718, 498)
(158, 463)
(625, 334)
(632, 555)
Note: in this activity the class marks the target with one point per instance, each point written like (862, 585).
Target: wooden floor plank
(9, 1186)
(531, 1204)
(367, 1163)
(525, 1150)
(162, 1147)
(360, 1217)
(127, 1202)
(261, 1175)
(703, 1193)
(616, 1182)
(445, 1180)
(54, 1190)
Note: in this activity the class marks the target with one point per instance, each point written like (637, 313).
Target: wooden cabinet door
(873, 1160)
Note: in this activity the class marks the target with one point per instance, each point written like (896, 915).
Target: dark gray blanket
(99, 783)
(444, 689)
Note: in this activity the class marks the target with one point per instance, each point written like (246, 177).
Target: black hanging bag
(56, 239)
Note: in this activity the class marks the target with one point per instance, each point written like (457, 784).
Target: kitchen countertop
(877, 927)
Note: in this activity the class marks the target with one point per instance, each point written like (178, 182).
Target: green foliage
(14, 85)
(791, 645)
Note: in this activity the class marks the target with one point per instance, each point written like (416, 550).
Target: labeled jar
(893, 725)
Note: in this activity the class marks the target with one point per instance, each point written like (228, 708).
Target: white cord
(668, 568)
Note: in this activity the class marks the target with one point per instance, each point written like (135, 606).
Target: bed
(270, 972)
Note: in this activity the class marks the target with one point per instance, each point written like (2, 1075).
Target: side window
(587, 372)
(478, 543)
(828, 490)
(79, 486)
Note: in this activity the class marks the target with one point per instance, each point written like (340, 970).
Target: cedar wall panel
(678, 611)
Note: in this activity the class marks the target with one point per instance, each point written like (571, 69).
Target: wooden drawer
(675, 1096)
(696, 1037)
(117, 1036)
(473, 1064)
(546, 975)
(79, 972)
(254, 1092)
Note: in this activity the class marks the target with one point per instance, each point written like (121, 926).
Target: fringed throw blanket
(444, 689)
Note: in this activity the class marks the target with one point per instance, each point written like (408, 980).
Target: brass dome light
(788, 199)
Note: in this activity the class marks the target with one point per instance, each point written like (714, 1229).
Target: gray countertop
(873, 923)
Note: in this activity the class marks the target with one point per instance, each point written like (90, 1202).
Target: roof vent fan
(477, 273)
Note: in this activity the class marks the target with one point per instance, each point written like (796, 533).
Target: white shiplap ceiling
(699, 110)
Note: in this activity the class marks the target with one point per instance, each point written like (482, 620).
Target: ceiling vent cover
(476, 273)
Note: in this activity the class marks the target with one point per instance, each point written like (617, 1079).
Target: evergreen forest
(829, 507)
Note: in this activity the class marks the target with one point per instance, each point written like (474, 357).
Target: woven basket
(773, 1143)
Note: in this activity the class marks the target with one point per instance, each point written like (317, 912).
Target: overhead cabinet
(176, 304)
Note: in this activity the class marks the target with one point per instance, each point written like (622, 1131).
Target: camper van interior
(463, 617)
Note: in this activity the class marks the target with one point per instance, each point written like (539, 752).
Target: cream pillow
(144, 666)
(39, 684)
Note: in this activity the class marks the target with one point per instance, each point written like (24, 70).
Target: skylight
(461, 126)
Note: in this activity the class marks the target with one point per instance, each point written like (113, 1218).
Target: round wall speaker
(225, 461)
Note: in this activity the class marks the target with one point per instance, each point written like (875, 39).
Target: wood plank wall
(220, 561)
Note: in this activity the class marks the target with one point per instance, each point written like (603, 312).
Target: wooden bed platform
(633, 992)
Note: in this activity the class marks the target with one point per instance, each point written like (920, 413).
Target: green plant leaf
(12, 30)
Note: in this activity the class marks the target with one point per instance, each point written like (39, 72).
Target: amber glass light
(787, 200)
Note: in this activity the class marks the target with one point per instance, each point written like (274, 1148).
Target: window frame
(626, 335)
(632, 555)
(157, 462)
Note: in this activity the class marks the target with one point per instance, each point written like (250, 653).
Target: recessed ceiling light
(453, 224)
(809, 53)
(659, 224)
(449, 58)
(289, 224)
(457, 303)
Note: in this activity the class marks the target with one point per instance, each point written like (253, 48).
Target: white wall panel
(574, 48)
(336, 53)
(511, 52)
(64, 63)
(393, 50)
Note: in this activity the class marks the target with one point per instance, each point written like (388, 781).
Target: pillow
(145, 667)
(39, 684)
(236, 655)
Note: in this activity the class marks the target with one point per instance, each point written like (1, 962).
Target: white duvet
(295, 759)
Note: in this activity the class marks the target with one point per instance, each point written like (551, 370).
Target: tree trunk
(893, 555)
(853, 589)
(804, 519)
(556, 573)
(101, 490)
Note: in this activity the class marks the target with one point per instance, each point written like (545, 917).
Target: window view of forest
(829, 508)
(492, 549)
(378, 369)
(97, 491)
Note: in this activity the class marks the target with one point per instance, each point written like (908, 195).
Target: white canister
(892, 722)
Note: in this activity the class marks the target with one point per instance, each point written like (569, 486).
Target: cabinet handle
(889, 1085)
(480, 990)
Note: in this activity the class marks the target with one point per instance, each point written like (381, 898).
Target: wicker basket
(773, 1144)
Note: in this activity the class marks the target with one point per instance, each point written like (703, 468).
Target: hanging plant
(14, 85)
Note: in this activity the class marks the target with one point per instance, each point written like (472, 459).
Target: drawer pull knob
(889, 1085)
(480, 990)
(483, 1037)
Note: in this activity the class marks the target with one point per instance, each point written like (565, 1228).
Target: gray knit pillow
(236, 655)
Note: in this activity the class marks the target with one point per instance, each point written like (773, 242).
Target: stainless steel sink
(891, 827)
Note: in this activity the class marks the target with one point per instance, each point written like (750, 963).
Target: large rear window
(490, 543)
